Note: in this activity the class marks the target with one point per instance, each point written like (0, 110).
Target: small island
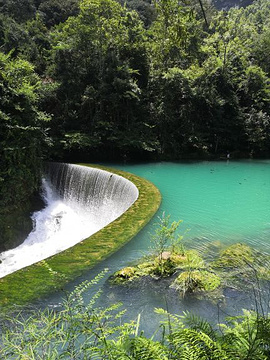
(237, 266)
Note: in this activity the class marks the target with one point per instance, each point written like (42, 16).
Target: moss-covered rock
(126, 274)
(238, 266)
(161, 266)
(153, 268)
(191, 260)
(196, 281)
(235, 256)
(167, 266)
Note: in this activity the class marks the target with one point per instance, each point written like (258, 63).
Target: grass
(52, 274)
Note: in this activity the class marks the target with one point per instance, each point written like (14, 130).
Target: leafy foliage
(23, 129)
(187, 81)
(127, 81)
(80, 330)
(196, 280)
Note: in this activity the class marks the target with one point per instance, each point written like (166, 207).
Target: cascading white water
(79, 201)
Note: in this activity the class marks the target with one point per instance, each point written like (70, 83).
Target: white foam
(79, 202)
(56, 227)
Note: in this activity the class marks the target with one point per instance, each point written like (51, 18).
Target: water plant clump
(238, 266)
(170, 258)
(167, 254)
(235, 256)
(189, 282)
(164, 266)
(126, 274)
(172, 261)
(241, 266)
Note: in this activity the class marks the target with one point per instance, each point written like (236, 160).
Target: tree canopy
(131, 80)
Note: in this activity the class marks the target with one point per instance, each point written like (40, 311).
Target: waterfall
(79, 202)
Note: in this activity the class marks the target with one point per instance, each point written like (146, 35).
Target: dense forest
(99, 80)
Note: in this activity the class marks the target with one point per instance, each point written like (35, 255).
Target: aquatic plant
(80, 330)
(165, 265)
(241, 266)
(189, 282)
(168, 257)
(235, 256)
(164, 237)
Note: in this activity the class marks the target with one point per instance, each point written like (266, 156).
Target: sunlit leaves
(23, 130)
(174, 35)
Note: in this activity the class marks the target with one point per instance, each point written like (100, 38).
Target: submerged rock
(125, 274)
(162, 266)
(237, 267)
(235, 256)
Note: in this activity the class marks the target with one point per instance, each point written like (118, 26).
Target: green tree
(100, 61)
(12, 35)
(23, 131)
(175, 36)
(171, 108)
(145, 9)
(54, 12)
(19, 10)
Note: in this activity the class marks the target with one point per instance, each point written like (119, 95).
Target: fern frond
(172, 321)
(85, 285)
(197, 344)
(195, 322)
(145, 349)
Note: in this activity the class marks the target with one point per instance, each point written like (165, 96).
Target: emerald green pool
(220, 202)
(225, 201)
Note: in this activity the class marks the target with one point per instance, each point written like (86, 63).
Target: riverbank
(53, 273)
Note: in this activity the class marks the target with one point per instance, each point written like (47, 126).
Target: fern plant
(82, 331)
(78, 331)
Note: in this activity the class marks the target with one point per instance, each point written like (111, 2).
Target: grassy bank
(47, 276)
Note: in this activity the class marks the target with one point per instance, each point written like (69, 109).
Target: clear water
(220, 203)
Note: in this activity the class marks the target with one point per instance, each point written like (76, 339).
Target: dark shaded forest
(101, 80)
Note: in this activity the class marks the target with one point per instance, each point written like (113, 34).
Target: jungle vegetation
(105, 80)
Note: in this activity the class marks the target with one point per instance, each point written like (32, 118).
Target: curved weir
(79, 202)
(98, 194)
(39, 279)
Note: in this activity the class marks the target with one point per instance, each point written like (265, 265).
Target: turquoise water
(220, 203)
